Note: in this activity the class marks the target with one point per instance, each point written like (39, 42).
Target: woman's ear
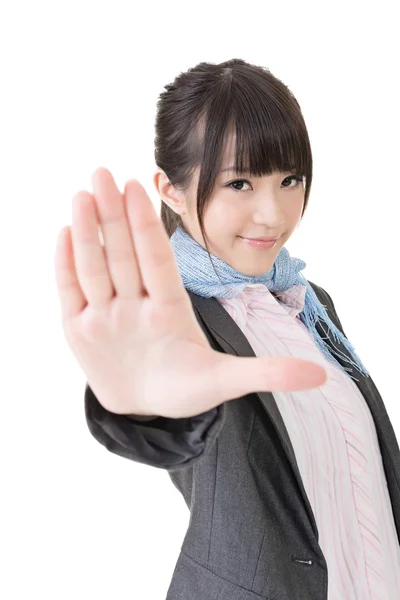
(168, 193)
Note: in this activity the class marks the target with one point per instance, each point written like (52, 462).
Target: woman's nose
(269, 213)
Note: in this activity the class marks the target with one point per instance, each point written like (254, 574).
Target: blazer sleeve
(166, 443)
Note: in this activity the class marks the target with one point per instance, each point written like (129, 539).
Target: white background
(79, 85)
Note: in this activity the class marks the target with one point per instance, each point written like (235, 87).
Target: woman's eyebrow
(244, 170)
(247, 170)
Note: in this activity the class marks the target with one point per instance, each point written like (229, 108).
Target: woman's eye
(239, 182)
(294, 178)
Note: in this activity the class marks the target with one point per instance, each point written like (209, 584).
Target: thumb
(238, 376)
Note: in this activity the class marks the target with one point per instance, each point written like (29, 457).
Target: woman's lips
(260, 244)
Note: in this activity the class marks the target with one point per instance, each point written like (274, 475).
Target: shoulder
(322, 294)
(325, 299)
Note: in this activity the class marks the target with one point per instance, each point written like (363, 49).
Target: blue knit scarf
(199, 277)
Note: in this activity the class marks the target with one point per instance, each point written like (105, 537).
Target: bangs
(264, 123)
(266, 141)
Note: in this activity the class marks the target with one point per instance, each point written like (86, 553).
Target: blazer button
(304, 561)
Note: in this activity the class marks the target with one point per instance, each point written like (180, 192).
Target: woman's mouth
(260, 244)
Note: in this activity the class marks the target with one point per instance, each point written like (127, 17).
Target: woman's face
(244, 207)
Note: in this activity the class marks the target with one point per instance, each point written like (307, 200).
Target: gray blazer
(252, 534)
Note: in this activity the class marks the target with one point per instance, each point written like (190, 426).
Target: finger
(118, 243)
(90, 261)
(154, 253)
(72, 299)
(235, 377)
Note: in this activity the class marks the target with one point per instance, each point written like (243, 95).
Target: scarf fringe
(315, 311)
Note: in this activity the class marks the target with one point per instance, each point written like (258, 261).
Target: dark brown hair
(198, 110)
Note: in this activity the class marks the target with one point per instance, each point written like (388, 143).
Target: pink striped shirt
(337, 450)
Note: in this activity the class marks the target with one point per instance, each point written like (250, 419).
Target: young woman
(208, 354)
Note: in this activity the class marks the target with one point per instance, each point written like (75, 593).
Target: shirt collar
(292, 299)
